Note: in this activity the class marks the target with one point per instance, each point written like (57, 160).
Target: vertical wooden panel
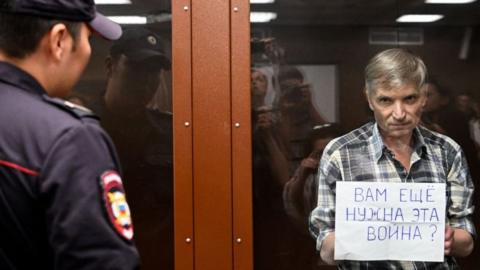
(241, 136)
(212, 134)
(182, 143)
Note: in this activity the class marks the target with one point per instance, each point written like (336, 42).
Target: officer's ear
(59, 41)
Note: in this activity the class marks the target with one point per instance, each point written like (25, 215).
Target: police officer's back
(62, 203)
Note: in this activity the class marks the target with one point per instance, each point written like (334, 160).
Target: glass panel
(308, 59)
(128, 84)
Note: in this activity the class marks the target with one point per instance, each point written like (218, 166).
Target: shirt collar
(419, 145)
(379, 147)
(12, 75)
(377, 142)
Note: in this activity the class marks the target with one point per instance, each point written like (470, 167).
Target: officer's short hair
(394, 68)
(20, 35)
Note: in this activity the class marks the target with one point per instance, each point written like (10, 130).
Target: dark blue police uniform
(62, 204)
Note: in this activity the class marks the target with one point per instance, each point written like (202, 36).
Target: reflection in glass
(283, 119)
(128, 85)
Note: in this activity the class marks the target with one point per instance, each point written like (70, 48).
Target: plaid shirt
(361, 156)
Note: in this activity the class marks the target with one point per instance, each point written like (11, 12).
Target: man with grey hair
(394, 148)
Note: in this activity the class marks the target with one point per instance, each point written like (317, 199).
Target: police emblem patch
(116, 204)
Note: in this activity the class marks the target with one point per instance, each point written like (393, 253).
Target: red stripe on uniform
(18, 168)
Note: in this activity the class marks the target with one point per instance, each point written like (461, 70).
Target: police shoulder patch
(116, 204)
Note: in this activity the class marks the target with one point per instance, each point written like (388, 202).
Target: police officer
(62, 203)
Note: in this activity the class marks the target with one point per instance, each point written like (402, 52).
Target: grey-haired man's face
(397, 111)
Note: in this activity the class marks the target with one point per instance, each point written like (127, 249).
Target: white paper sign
(390, 221)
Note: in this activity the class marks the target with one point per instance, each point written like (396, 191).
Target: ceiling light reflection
(113, 2)
(419, 18)
(262, 1)
(449, 1)
(129, 19)
(262, 17)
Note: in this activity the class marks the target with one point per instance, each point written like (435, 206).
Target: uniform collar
(379, 147)
(12, 75)
(377, 143)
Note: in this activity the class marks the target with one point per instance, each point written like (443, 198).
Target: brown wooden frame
(242, 135)
(182, 133)
(212, 135)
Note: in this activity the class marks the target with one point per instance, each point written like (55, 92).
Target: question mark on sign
(434, 231)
